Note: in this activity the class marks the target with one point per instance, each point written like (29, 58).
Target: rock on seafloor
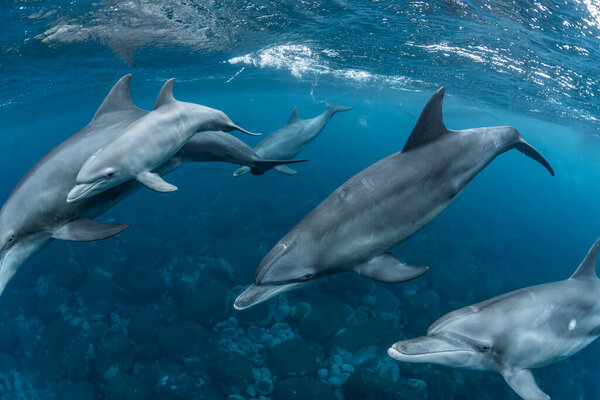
(296, 357)
(367, 385)
(303, 389)
(233, 372)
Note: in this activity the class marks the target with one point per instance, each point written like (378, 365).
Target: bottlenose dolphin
(287, 142)
(221, 146)
(36, 211)
(382, 206)
(147, 144)
(517, 331)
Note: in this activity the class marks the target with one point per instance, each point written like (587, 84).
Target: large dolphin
(515, 332)
(146, 144)
(287, 142)
(383, 205)
(36, 211)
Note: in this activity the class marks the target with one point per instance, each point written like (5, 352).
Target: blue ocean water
(148, 313)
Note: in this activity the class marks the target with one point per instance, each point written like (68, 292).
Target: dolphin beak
(81, 191)
(427, 349)
(256, 294)
(235, 127)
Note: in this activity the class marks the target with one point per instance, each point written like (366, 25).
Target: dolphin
(36, 212)
(515, 332)
(382, 206)
(287, 142)
(147, 144)
(221, 146)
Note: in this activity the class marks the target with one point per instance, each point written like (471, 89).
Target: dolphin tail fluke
(335, 109)
(241, 171)
(387, 268)
(263, 166)
(234, 127)
(530, 151)
(523, 383)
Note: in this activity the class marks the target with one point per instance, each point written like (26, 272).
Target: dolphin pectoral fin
(241, 171)
(87, 230)
(531, 152)
(387, 268)
(523, 383)
(153, 181)
(285, 170)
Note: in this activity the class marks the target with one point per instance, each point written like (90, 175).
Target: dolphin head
(16, 247)
(469, 338)
(448, 350)
(283, 268)
(97, 174)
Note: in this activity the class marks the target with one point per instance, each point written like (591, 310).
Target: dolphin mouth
(426, 349)
(81, 191)
(256, 294)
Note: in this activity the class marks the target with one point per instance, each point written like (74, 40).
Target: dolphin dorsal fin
(118, 99)
(166, 94)
(587, 268)
(294, 117)
(430, 125)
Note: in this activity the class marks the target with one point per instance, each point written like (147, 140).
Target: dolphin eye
(10, 239)
(110, 173)
(485, 348)
(307, 276)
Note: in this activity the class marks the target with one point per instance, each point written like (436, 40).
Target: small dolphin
(520, 330)
(147, 144)
(382, 206)
(221, 146)
(287, 142)
(35, 213)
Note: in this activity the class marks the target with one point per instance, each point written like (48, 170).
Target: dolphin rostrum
(147, 144)
(515, 332)
(383, 205)
(36, 211)
(287, 142)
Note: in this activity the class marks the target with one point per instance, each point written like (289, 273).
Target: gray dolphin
(36, 211)
(146, 144)
(221, 146)
(520, 330)
(383, 205)
(287, 142)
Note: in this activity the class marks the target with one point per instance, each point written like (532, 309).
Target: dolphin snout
(82, 191)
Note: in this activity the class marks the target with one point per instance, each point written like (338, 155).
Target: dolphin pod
(287, 142)
(517, 331)
(37, 211)
(147, 144)
(383, 205)
(124, 148)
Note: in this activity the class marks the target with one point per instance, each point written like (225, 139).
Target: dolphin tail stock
(262, 166)
(531, 152)
(335, 109)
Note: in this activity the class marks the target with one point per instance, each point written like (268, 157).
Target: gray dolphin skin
(515, 332)
(382, 206)
(36, 211)
(147, 144)
(220, 146)
(287, 142)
